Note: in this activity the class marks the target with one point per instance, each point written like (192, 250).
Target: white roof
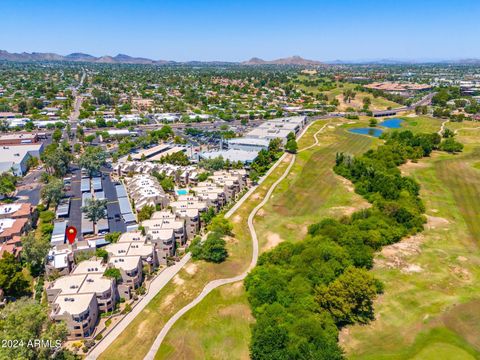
(74, 304)
(126, 263)
(90, 267)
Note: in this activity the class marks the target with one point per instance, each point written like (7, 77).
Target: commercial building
(15, 157)
(18, 139)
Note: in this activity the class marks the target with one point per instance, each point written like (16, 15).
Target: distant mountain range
(126, 59)
(81, 57)
(293, 60)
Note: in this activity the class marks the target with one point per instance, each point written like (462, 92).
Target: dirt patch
(236, 219)
(412, 268)
(347, 183)
(191, 269)
(261, 212)
(273, 239)
(410, 166)
(256, 196)
(395, 256)
(236, 310)
(461, 273)
(435, 222)
(343, 210)
(177, 280)
(142, 326)
(230, 240)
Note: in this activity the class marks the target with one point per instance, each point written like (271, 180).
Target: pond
(394, 123)
(367, 131)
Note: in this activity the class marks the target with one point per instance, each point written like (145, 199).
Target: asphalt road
(112, 205)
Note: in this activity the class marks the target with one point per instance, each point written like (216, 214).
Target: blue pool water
(394, 123)
(367, 131)
(182, 192)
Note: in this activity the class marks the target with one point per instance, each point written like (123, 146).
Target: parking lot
(75, 217)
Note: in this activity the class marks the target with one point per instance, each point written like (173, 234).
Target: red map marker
(71, 234)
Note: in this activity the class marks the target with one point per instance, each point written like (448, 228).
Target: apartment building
(16, 211)
(78, 298)
(130, 268)
(145, 190)
(182, 175)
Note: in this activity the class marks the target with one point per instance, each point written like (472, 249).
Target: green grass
(421, 124)
(434, 313)
(204, 333)
(312, 190)
(378, 103)
(216, 336)
(135, 341)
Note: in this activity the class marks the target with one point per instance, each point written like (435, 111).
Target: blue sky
(238, 30)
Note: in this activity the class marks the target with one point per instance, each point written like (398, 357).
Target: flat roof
(74, 304)
(232, 155)
(121, 192)
(69, 284)
(16, 153)
(126, 263)
(95, 283)
(124, 205)
(90, 267)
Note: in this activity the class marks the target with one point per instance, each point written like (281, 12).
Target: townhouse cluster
(182, 175)
(79, 297)
(15, 220)
(87, 289)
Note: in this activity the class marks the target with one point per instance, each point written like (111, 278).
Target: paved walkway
(255, 250)
(157, 284)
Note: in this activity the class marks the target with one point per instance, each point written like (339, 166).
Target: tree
(56, 160)
(291, 146)
(89, 138)
(145, 213)
(23, 107)
(92, 159)
(95, 209)
(212, 250)
(220, 225)
(52, 192)
(12, 279)
(447, 133)
(25, 320)
(8, 183)
(113, 237)
(57, 135)
(451, 146)
(102, 253)
(113, 273)
(349, 298)
(348, 95)
(373, 122)
(367, 101)
(34, 252)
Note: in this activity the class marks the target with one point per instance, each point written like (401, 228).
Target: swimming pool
(367, 131)
(181, 191)
(393, 123)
